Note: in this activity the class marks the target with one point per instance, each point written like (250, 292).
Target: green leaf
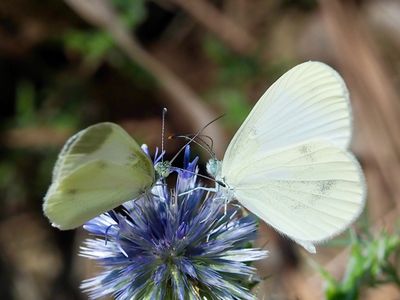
(373, 261)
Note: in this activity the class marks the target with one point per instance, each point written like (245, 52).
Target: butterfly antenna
(211, 145)
(203, 144)
(195, 136)
(164, 112)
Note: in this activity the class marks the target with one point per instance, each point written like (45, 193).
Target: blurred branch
(222, 26)
(187, 106)
(298, 288)
(34, 137)
(368, 71)
(376, 97)
(385, 15)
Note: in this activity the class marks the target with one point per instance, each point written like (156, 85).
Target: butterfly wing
(93, 188)
(309, 192)
(310, 101)
(105, 141)
(98, 169)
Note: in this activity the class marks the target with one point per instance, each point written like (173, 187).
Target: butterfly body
(163, 169)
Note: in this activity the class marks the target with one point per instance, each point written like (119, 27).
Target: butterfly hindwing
(309, 192)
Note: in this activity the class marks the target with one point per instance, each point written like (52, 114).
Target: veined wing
(309, 192)
(308, 102)
(103, 141)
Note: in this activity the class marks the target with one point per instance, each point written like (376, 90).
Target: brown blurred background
(65, 65)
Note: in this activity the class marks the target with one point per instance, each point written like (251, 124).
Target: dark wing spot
(71, 192)
(101, 164)
(253, 132)
(306, 151)
(326, 186)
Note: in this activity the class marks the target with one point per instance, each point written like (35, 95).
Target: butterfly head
(214, 168)
(163, 169)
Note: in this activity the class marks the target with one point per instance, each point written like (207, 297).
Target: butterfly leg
(238, 207)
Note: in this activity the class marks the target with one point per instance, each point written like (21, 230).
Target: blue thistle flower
(177, 244)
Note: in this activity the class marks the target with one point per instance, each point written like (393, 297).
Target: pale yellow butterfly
(98, 169)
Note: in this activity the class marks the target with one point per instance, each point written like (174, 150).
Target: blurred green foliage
(94, 45)
(374, 260)
(132, 12)
(233, 69)
(233, 103)
(236, 76)
(25, 104)
(49, 106)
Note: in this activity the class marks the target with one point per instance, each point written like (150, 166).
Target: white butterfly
(288, 162)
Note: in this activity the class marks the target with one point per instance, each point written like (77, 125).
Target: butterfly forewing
(308, 102)
(106, 141)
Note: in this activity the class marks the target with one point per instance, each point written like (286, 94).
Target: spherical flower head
(173, 244)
